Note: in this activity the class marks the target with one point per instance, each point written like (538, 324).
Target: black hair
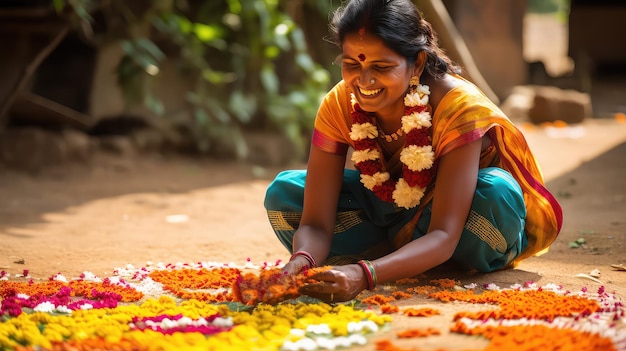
(401, 27)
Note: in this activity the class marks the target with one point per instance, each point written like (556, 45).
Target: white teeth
(369, 92)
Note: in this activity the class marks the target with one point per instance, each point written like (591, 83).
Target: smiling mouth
(366, 92)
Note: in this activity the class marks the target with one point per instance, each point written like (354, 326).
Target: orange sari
(463, 115)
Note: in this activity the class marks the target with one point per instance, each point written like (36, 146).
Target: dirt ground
(115, 212)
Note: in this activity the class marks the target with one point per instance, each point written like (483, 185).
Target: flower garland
(417, 155)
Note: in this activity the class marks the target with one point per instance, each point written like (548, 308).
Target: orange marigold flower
(421, 312)
(536, 337)
(378, 299)
(249, 295)
(399, 295)
(87, 289)
(407, 281)
(418, 333)
(389, 309)
(271, 286)
(78, 288)
(385, 345)
(444, 283)
(515, 304)
(181, 282)
(422, 290)
(96, 344)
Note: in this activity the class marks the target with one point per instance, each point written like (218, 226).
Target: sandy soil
(115, 212)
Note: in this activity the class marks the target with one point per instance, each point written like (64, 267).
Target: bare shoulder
(440, 87)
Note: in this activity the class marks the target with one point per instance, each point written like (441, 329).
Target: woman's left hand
(341, 283)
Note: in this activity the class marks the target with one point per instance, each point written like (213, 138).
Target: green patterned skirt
(493, 235)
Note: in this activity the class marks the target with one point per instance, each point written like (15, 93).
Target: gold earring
(413, 83)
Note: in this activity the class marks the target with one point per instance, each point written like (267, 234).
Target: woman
(440, 173)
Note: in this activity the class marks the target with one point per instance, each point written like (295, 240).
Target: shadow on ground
(26, 198)
(593, 198)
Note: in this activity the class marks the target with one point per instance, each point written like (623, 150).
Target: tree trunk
(453, 43)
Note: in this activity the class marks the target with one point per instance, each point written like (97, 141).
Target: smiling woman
(377, 75)
(441, 173)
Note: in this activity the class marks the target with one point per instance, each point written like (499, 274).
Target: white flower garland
(417, 156)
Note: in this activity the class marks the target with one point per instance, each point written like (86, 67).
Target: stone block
(117, 145)
(552, 104)
(80, 146)
(31, 149)
(270, 149)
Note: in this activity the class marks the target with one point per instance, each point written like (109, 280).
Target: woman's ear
(420, 63)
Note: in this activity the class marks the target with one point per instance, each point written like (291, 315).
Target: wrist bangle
(306, 255)
(370, 273)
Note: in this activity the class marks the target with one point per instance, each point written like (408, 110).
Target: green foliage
(548, 6)
(80, 8)
(247, 60)
(141, 60)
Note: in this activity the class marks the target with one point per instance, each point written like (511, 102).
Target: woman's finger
(319, 287)
(324, 276)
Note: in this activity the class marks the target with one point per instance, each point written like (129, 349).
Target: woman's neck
(389, 120)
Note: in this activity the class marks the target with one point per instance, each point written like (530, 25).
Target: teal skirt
(493, 235)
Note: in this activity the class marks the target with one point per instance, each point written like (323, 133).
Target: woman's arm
(454, 190)
(321, 194)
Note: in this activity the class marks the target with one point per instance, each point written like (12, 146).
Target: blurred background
(242, 79)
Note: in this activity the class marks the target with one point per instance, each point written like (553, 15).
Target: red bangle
(370, 274)
(306, 255)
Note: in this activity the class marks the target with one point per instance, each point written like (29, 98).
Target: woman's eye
(351, 65)
(382, 68)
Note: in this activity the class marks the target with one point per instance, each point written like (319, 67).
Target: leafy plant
(558, 7)
(247, 60)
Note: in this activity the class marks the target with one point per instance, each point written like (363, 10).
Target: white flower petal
(406, 196)
(45, 306)
(423, 89)
(417, 158)
(416, 120)
(419, 97)
(353, 100)
(365, 155)
(360, 131)
(376, 179)
(412, 99)
(63, 309)
(322, 329)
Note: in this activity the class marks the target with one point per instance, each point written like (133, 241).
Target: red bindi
(361, 57)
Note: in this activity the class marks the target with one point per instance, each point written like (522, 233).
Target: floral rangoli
(214, 306)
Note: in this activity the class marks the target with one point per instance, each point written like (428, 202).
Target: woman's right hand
(339, 284)
(296, 265)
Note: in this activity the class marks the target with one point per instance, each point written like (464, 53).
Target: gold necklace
(390, 137)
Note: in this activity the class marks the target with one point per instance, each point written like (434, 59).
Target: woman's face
(378, 76)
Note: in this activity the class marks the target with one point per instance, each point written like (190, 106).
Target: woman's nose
(366, 77)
